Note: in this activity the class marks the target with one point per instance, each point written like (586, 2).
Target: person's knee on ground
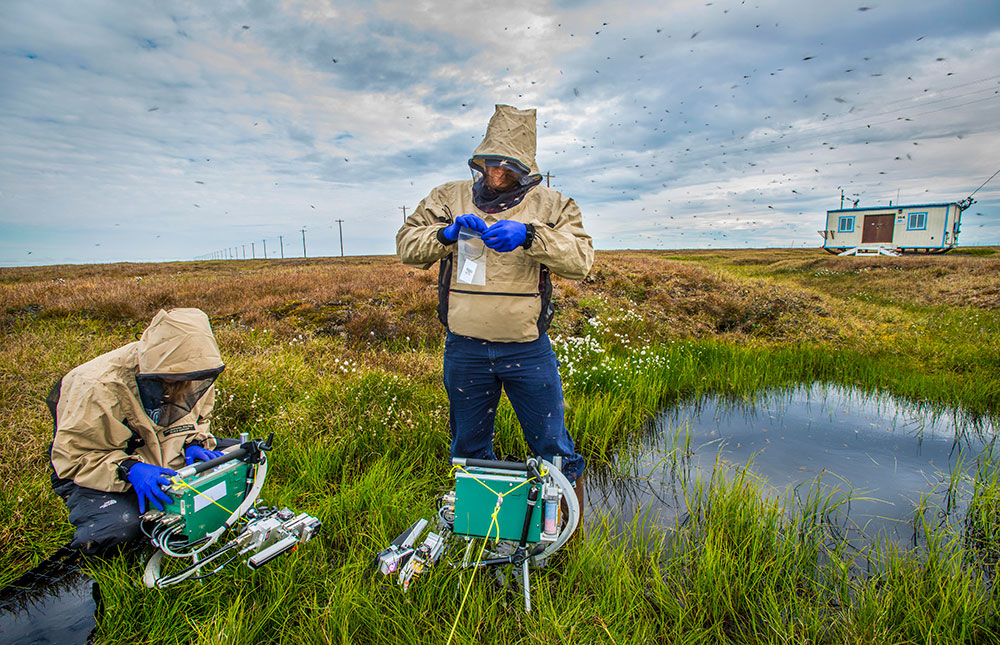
(104, 522)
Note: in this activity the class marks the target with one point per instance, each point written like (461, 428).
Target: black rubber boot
(578, 487)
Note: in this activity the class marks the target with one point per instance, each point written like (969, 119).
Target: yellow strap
(518, 486)
(493, 522)
(180, 482)
(501, 495)
(479, 558)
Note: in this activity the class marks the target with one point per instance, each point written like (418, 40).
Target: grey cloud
(111, 112)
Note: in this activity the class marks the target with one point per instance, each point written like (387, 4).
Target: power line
(838, 125)
(805, 135)
(866, 118)
(703, 152)
(985, 182)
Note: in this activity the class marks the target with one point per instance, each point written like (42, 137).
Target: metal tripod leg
(526, 584)
(466, 558)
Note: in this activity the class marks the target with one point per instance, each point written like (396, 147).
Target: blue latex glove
(468, 220)
(506, 235)
(146, 479)
(195, 453)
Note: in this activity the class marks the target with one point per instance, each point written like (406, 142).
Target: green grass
(361, 441)
(975, 251)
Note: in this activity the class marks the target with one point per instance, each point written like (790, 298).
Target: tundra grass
(348, 378)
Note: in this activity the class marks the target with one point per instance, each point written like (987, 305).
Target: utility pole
(265, 248)
(547, 178)
(281, 243)
(303, 241)
(340, 226)
(404, 212)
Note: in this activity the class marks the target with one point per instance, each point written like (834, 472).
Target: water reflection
(878, 459)
(55, 602)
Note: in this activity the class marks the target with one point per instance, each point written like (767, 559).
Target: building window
(846, 224)
(916, 222)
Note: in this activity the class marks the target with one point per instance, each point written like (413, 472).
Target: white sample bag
(471, 258)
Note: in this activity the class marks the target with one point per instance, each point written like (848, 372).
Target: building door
(878, 229)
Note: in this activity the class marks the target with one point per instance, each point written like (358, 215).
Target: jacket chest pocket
(515, 258)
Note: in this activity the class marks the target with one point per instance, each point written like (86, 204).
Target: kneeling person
(126, 420)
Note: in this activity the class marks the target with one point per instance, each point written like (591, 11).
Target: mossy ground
(341, 359)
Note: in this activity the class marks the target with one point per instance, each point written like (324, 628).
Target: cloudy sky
(172, 129)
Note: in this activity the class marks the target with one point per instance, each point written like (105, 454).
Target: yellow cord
(479, 558)
(180, 482)
(526, 481)
(493, 522)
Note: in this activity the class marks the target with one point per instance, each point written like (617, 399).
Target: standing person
(497, 331)
(124, 421)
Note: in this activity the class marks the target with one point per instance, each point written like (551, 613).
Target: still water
(58, 610)
(879, 456)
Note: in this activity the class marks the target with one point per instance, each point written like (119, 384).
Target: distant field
(342, 359)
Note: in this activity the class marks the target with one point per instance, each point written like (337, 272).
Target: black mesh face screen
(167, 400)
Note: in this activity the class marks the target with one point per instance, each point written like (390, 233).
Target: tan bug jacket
(515, 303)
(100, 420)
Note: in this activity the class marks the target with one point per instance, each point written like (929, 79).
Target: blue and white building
(890, 230)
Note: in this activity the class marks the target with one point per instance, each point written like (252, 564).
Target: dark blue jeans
(475, 372)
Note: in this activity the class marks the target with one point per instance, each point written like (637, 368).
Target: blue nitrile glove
(506, 235)
(468, 220)
(194, 453)
(146, 479)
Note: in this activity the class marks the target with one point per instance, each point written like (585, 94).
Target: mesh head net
(167, 399)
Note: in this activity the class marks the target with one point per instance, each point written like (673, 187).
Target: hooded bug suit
(144, 402)
(497, 332)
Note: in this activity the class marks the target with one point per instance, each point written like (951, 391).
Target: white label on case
(214, 493)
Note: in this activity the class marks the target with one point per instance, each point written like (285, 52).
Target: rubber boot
(578, 487)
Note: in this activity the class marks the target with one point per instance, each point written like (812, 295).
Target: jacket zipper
(496, 293)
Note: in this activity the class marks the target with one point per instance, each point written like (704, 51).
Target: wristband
(123, 468)
(529, 236)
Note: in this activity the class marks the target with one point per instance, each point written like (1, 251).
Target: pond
(55, 603)
(879, 458)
